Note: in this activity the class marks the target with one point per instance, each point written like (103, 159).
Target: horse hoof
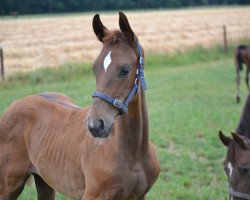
(238, 99)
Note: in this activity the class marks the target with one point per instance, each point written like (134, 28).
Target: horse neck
(133, 126)
(244, 125)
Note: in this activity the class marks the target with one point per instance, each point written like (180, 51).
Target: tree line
(8, 7)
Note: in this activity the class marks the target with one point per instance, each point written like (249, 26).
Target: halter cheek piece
(236, 194)
(123, 105)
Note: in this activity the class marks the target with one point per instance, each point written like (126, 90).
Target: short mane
(114, 33)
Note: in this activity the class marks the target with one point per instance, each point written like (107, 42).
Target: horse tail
(238, 58)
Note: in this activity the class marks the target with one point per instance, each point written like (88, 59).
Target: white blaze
(230, 167)
(107, 61)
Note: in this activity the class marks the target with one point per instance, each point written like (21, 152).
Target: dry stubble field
(30, 43)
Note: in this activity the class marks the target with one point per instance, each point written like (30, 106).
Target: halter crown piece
(123, 106)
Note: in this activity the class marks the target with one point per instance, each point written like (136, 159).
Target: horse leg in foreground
(247, 76)
(95, 153)
(238, 67)
(238, 86)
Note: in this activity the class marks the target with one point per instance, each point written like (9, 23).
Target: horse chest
(141, 183)
(134, 177)
(127, 184)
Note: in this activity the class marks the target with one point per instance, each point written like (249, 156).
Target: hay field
(31, 43)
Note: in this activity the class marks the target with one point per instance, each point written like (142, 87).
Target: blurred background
(189, 48)
(22, 7)
(36, 34)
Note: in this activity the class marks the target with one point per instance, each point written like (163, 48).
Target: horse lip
(103, 134)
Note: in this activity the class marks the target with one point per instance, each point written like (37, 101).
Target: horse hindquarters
(14, 161)
(14, 171)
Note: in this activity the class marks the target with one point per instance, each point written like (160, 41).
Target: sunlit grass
(188, 100)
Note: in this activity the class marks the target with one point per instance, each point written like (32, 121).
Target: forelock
(112, 35)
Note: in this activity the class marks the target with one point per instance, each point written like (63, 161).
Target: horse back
(242, 55)
(59, 99)
(23, 115)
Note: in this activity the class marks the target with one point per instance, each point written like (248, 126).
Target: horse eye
(244, 170)
(124, 71)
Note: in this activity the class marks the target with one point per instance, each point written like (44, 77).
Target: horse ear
(239, 140)
(224, 139)
(99, 29)
(126, 29)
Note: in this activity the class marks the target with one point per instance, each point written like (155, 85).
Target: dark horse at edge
(237, 161)
(241, 56)
(102, 152)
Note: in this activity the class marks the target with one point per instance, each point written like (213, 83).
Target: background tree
(7, 7)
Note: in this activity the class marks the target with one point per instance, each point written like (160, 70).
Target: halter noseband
(233, 193)
(123, 105)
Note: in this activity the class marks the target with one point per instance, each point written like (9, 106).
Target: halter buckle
(141, 61)
(118, 103)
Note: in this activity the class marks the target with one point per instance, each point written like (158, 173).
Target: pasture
(32, 42)
(190, 97)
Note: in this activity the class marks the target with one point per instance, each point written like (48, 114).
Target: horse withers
(96, 153)
(237, 161)
(242, 56)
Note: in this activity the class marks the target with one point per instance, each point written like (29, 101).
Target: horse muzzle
(99, 128)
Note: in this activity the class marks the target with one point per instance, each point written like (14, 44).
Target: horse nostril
(96, 127)
(101, 124)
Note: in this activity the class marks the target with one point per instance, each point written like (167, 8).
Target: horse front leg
(247, 76)
(238, 85)
(44, 191)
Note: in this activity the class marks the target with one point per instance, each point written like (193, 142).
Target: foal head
(115, 71)
(237, 165)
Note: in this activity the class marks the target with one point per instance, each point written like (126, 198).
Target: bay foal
(101, 152)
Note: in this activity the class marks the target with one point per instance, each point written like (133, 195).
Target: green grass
(190, 97)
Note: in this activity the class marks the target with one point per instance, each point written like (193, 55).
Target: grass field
(190, 97)
(34, 42)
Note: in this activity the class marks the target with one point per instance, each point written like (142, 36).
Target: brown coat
(48, 136)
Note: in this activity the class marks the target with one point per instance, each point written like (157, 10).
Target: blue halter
(123, 106)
